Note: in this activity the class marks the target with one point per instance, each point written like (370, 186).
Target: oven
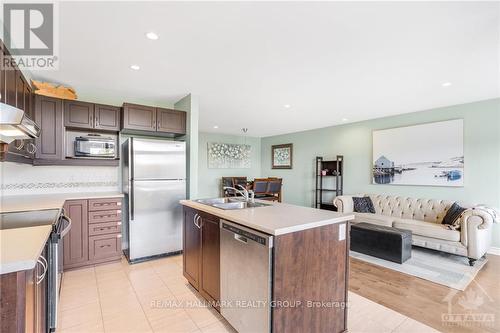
(56, 252)
(95, 146)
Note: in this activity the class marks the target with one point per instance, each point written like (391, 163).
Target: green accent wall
(354, 141)
(190, 104)
(209, 179)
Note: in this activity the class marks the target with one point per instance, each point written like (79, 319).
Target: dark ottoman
(382, 242)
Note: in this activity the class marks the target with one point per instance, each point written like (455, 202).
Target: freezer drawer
(155, 225)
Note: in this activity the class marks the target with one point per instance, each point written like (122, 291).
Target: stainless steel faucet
(248, 195)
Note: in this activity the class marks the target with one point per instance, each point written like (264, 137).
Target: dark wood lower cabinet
(76, 245)
(191, 247)
(23, 300)
(209, 286)
(201, 253)
(95, 235)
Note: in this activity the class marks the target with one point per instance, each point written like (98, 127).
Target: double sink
(231, 203)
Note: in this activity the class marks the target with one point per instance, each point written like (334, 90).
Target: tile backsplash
(17, 179)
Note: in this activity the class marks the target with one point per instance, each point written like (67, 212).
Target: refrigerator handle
(131, 180)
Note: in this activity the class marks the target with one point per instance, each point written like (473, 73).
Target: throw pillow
(452, 217)
(363, 205)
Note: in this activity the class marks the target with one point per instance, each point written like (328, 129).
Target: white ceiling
(245, 61)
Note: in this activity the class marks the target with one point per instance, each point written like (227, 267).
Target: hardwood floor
(426, 301)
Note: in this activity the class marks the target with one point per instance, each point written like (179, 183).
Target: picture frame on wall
(430, 154)
(282, 156)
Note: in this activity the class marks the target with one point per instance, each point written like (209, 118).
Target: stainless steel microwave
(95, 146)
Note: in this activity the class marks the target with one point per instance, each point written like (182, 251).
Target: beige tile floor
(154, 297)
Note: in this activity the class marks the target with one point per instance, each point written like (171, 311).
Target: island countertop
(275, 219)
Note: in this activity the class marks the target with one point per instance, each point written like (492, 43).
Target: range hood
(15, 124)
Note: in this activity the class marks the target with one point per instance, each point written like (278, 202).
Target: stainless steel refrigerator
(154, 180)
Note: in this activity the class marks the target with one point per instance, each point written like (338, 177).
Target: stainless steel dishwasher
(246, 277)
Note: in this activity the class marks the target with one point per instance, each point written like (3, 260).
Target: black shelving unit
(334, 169)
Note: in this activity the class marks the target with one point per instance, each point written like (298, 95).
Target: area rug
(447, 269)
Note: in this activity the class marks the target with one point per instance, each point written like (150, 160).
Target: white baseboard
(495, 251)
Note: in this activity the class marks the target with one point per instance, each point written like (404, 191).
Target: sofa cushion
(374, 219)
(363, 205)
(452, 216)
(427, 229)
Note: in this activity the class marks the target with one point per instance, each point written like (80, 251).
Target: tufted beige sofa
(423, 217)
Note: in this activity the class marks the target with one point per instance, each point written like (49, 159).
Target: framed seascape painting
(428, 154)
(282, 156)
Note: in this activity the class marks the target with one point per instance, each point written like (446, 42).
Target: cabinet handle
(21, 144)
(195, 220)
(198, 223)
(31, 148)
(96, 121)
(42, 261)
(103, 246)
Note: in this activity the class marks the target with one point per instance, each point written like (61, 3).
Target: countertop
(21, 247)
(19, 203)
(276, 219)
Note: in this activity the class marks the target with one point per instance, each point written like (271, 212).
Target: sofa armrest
(344, 203)
(476, 232)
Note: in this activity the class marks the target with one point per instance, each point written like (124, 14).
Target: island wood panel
(311, 265)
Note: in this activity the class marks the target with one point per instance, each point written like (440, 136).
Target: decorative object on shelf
(51, 90)
(428, 154)
(330, 172)
(229, 156)
(282, 156)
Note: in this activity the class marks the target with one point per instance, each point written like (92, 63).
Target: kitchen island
(278, 267)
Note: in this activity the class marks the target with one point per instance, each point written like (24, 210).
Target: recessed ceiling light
(345, 119)
(151, 35)
(216, 127)
(135, 67)
(446, 84)
(287, 106)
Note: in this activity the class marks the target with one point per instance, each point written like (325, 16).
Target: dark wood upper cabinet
(49, 116)
(107, 117)
(76, 245)
(10, 86)
(20, 84)
(139, 117)
(2, 77)
(171, 121)
(78, 114)
(210, 257)
(191, 247)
